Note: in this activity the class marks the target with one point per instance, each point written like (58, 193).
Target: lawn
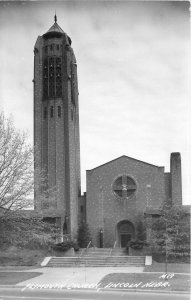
(7, 278)
(148, 281)
(171, 267)
(14, 256)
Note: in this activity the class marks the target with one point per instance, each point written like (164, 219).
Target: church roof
(127, 157)
(55, 31)
(55, 28)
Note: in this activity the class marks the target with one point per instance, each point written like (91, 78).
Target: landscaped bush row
(66, 245)
(136, 244)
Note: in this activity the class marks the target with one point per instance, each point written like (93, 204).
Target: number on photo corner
(167, 276)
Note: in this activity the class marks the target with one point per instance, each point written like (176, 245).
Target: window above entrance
(124, 187)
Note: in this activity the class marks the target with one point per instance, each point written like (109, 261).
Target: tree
(27, 230)
(16, 167)
(141, 230)
(83, 235)
(171, 232)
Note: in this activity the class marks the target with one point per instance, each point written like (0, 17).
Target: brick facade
(56, 128)
(105, 209)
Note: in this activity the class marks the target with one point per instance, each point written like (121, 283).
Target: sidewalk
(107, 278)
(81, 276)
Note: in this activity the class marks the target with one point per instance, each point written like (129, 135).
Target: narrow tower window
(51, 111)
(45, 79)
(72, 114)
(73, 82)
(45, 112)
(52, 78)
(58, 78)
(59, 111)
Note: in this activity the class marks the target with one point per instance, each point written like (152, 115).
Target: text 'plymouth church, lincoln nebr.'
(119, 192)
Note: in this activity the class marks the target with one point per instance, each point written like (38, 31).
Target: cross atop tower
(55, 18)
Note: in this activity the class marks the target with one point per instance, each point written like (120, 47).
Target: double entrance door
(126, 232)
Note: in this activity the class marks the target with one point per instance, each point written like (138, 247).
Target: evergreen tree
(84, 236)
(141, 231)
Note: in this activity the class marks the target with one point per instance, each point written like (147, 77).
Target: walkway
(81, 276)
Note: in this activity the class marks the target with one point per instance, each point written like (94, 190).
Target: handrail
(88, 245)
(113, 248)
(85, 249)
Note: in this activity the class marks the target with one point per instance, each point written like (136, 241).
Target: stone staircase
(97, 257)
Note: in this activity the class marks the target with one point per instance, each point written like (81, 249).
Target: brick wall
(176, 178)
(57, 138)
(105, 210)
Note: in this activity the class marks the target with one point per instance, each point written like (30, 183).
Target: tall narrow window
(58, 77)
(52, 78)
(73, 82)
(59, 111)
(45, 78)
(72, 114)
(51, 111)
(45, 112)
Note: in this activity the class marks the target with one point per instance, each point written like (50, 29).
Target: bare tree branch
(16, 167)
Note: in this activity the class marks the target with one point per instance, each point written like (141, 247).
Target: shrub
(141, 231)
(83, 235)
(66, 245)
(24, 231)
(136, 244)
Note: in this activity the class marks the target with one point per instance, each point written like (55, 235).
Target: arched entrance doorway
(125, 232)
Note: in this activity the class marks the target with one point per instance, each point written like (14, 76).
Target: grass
(171, 267)
(7, 278)
(145, 281)
(21, 257)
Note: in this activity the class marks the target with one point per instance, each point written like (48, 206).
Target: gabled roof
(124, 156)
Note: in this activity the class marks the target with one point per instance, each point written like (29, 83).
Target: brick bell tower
(56, 129)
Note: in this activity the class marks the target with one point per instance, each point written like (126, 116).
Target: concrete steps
(112, 261)
(98, 257)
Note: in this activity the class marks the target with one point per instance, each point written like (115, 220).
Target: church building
(119, 192)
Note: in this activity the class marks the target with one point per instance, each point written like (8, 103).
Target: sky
(133, 75)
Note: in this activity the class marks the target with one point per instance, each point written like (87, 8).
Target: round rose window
(124, 186)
